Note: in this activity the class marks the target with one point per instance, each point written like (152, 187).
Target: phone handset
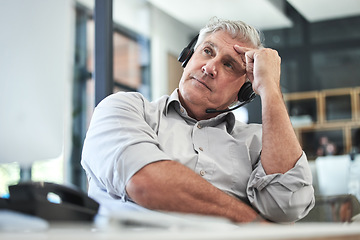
(33, 198)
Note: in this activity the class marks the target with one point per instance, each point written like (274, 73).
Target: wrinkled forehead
(222, 40)
(223, 45)
(237, 39)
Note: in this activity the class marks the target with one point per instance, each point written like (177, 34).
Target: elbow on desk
(294, 209)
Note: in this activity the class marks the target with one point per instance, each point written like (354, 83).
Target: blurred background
(48, 87)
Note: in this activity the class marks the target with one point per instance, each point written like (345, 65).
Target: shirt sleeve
(284, 197)
(119, 142)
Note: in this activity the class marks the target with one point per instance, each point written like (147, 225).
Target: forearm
(280, 146)
(170, 186)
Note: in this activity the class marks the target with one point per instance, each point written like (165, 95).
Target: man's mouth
(201, 82)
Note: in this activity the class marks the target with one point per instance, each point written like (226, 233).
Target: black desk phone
(33, 198)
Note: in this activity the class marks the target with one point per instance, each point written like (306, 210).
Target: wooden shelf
(332, 113)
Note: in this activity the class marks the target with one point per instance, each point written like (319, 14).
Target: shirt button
(182, 110)
(202, 172)
(199, 126)
(201, 149)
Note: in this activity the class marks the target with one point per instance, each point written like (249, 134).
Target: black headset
(246, 93)
(187, 52)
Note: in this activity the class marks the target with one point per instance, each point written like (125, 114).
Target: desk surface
(313, 231)
(160, 226)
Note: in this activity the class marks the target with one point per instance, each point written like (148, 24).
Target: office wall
(167, 36)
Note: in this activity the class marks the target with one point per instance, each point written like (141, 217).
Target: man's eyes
(207, 51)
(229, 65)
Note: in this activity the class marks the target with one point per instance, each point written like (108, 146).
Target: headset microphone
(211, 110)
(245, 95)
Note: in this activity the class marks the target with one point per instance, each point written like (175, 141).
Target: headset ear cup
(246, 92)
(183, 55)
(187, 52)
(190, 53)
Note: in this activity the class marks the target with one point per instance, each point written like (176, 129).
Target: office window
(127, 69)
(130, 73)
(131, 61)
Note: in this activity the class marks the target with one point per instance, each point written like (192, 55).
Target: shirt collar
(174, 97)
(227, 117)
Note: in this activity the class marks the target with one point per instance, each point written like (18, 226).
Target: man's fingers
(241, 50)
(246, 54)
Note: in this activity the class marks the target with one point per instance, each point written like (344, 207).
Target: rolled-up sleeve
(284, 197)
(119, 143)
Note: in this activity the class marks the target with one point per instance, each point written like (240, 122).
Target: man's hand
(262, 68)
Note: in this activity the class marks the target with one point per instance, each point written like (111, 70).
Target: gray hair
(237, 29)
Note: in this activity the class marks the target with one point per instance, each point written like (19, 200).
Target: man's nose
(209, 69)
